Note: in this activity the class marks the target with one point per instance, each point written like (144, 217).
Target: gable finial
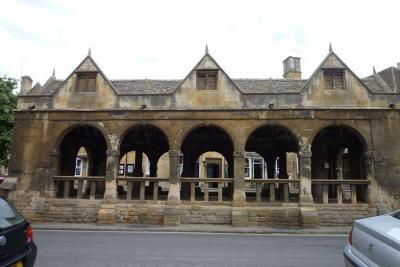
(206, 48)
(89, 52)
(330, 48)
(373, 69)
(54, 72)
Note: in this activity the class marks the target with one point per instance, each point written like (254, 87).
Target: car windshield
(9, 216)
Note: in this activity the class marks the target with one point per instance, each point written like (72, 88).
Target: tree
(8, 103)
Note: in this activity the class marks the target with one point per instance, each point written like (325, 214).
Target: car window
(9, 216)
(396, 214)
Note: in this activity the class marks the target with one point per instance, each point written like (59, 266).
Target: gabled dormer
(334, 85)
(86, 87)
(207, 86)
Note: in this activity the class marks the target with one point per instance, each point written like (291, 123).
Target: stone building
(285, 152)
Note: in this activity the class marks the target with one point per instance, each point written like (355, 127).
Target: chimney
(26, 85)
(291, 68)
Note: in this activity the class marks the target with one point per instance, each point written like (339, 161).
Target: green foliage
(8, 103)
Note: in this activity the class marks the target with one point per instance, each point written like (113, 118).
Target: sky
(158, 39)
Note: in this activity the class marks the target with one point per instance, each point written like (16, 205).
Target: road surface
(85, 248)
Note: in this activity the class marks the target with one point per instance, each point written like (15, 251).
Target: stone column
(138, 172)
(240, 216)
(283, 166)
(106, 213)
(153, 166)
(369, 160)
(110, 193)
(51, 187)
(172, 211)
(305, 176)
(308, 211)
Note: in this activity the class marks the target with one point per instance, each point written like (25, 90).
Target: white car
(374, 241)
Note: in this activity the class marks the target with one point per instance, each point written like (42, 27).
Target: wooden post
(66, 188)
(92, 189)
(272, 192)
(155, 191)
(192, 191)
(129, 192)
(286, 192)
(339, 191)
(353, 194)
(80, 186)
(142, 190)
(325, 199)
(258, 192)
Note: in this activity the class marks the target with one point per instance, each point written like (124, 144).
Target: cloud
(165, 39)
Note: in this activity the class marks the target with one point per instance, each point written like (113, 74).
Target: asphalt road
(77, 248)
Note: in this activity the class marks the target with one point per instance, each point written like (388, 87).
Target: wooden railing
(289, 188)
(79, 186)
(354, 187)
(202, 184)
(138, 184)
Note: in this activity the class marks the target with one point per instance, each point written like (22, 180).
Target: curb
(192, 229)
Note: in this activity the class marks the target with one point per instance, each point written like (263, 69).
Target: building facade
(208, 148)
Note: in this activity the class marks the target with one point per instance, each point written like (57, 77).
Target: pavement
(193, 228)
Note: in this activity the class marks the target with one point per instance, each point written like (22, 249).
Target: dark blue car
(17, 248)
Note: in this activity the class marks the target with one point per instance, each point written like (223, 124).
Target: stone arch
(144, 138)
(204, 138)
(56, 144)
(363, 137)
(72, 140)
(126, 129)
(290, 131)
(213, 125)
(273, 142)
(332, 141)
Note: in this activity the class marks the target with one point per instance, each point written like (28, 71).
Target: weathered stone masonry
(343, 130)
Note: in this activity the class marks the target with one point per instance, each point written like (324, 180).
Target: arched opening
(82, 154)
(337, 154)
(207, 154)
(140, 152)
(271, 153)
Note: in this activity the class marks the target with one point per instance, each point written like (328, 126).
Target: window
(334, 79)
(86, 82)
(78, 167)
(207, 79)
(258, 169)
(247, 170)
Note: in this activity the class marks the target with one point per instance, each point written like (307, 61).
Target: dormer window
(207, 79)
(334, 79)
(86, 82)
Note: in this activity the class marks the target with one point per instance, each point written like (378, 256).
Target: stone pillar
(305, 176)
(283, 166)
(308, 211)
(369, 160)
(138, 172)
(172, 211)
(111, 175)
(240, 216)
(106, 213)
(153, 166)
(51, 187)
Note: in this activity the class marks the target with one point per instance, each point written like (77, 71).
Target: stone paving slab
(192, 228)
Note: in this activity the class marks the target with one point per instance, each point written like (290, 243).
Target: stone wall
(139, 213)
(282, 216)
(206, 214)
(341, 215)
